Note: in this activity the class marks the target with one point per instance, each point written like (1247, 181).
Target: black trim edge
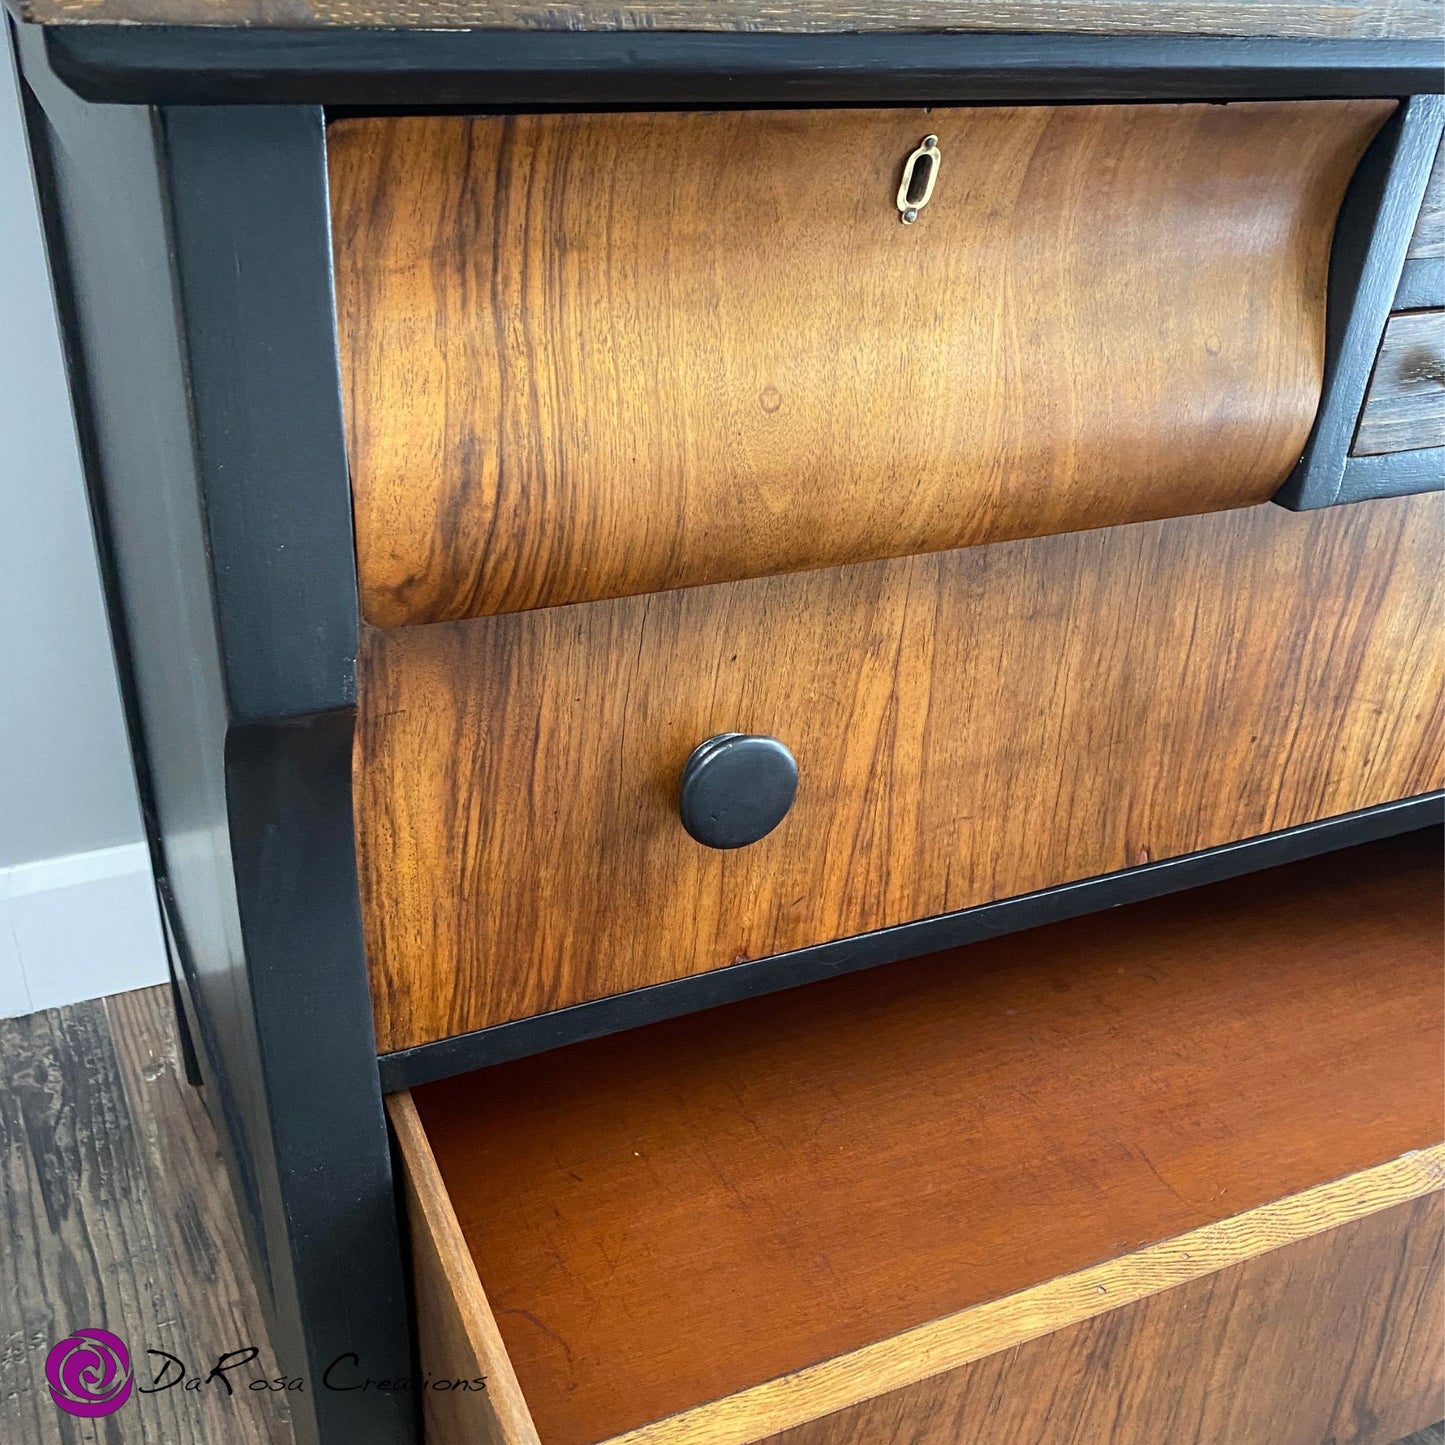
(1366, 262)
(426, 1063)
(1422, 284)
(207, 65)
(1393, 474)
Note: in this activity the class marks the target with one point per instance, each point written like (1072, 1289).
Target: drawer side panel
(1336, 1337)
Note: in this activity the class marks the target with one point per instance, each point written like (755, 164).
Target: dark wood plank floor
(115, 1214)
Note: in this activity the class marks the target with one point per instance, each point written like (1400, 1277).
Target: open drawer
(1166, 1173)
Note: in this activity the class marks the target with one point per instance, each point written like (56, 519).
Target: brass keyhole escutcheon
(920, 175)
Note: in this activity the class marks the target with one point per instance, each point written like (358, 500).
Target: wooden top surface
(668, 1216)
(1356, 19)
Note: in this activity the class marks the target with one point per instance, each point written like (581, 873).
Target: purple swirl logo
(89, 1374)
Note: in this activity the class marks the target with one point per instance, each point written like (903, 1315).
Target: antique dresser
(785, 663)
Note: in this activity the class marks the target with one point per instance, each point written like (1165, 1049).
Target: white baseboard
(78, 927)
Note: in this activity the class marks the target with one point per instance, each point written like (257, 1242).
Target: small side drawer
(1187, 1142)
(1405, 406)
(1427, 242)
(591, 356)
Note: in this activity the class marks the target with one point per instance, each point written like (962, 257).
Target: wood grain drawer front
(1405, 404)
(588, 356)
(968, 726)
(1165, 1173)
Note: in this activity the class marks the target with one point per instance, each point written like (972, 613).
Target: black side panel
(1376, 223)
(127, 376)
(232, 603)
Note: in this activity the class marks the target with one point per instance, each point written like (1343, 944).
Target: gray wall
(65, 774)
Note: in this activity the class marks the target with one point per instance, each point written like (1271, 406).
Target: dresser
(785, 665)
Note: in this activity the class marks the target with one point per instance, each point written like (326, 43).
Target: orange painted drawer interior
(1188, 1140)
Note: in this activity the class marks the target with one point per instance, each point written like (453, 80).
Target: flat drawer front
(968, 726)
(1405, 405)
(589, 356)
(1151, 1371)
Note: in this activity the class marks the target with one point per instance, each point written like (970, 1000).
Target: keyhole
(920, 175)
(918, 179)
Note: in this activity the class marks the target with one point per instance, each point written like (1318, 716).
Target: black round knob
(737, 789)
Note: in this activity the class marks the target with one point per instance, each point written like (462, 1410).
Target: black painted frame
(1422, 283)
(1369, 278)
(188, 235)
(151, 64)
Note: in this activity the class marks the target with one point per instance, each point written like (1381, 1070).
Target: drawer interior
(649, 1222)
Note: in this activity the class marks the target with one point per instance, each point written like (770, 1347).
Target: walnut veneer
(970, 725)
(593, 355)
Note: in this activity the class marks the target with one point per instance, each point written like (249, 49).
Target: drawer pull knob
(737, 789)
(920, 175)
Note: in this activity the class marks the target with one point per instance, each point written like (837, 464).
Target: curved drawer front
(588, 356)
(967, 726)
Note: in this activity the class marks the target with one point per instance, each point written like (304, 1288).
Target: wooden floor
(115, 1214)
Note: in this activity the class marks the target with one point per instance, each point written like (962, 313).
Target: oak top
(1353, 19)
